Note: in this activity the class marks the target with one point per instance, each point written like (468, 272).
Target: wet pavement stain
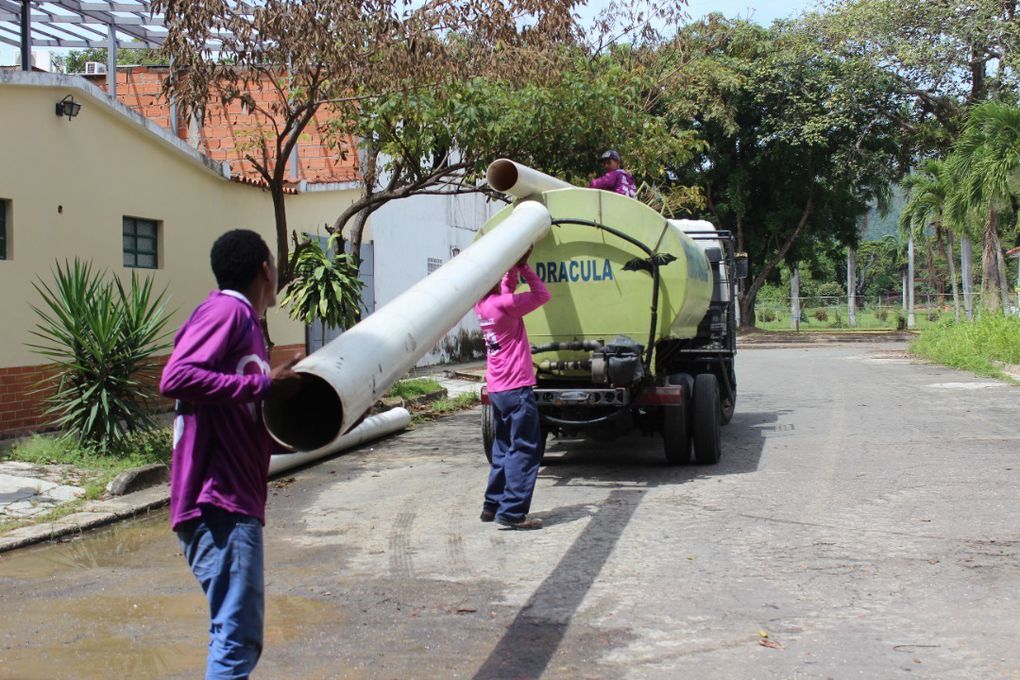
(121, 603)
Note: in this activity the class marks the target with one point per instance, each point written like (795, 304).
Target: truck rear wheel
(707, 419)
(488, 431)
(489, 434)
(676, 434)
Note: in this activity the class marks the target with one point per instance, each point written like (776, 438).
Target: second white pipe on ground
(371, 428)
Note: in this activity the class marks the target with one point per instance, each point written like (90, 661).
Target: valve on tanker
(618, 363)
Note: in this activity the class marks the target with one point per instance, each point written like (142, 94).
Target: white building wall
(410, 234)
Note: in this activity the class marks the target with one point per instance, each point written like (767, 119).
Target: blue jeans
(224, 551)
(516, 453)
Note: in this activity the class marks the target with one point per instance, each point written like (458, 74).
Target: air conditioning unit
(95, 68)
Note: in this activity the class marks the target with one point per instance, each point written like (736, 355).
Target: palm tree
(986, 164)
(928, 190)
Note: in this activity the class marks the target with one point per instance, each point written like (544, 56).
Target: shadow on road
(628, 467)
(535, 634)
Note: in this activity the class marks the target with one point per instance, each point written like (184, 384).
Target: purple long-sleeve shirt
(219, 373)
(619, 181)
(501, 317)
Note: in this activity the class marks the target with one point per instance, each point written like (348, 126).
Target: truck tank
(602, 282)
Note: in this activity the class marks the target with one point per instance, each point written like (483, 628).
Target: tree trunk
(911, 319)
(851, 286)
(990, 263)
(282, 250)
(950, 260)
(795, 299)
(967, 276)
(746, 302)
(751, 293)
(1000, 262)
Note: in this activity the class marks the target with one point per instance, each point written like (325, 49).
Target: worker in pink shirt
(615, 179)
(510, 379)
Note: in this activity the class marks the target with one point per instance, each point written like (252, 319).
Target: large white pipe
(520, 180)
(370, 428)
(343, 379)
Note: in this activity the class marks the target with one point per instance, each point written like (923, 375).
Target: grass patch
(973, 346)
(91, 469)
(415, 387)
(442, 407)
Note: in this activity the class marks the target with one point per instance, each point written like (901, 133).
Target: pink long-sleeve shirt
(501, 317)
(218, 373)
(619, 181)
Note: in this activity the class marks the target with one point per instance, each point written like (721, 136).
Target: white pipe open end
(308, 420)
(519, 180)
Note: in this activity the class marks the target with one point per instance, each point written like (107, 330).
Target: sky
(760, 11)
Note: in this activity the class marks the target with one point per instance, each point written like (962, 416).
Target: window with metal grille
(434, 263)
(3, 229)
(141, 243)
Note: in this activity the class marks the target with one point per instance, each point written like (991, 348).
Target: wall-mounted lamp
(68, 107)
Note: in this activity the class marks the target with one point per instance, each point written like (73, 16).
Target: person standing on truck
(510, 380)
(219, 374)
(615, 178)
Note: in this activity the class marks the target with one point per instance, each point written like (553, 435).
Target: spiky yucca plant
(100, 336)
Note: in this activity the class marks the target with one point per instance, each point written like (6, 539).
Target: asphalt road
(864, 518)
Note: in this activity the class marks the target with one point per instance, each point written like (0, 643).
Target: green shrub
(882, 315)
(767, 315)
(101, 337)
(821, 314)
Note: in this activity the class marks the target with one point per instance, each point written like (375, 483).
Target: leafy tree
(440, 142)
(984, 166)
(335, 55)
(929, 189)
(800, 141)
(942, 55)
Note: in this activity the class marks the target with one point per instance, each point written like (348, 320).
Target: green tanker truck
(640, 333)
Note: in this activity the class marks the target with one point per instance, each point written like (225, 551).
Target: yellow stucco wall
(70, 183)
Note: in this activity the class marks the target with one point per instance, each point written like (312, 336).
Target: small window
(434, 263)
(140, 243)
(3, 228)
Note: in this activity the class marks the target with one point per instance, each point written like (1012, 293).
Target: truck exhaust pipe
(341, 381)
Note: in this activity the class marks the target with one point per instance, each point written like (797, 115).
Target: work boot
(524, 524)
(487, 515)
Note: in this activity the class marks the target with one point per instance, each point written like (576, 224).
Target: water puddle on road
(106, 548)
(135, 636)
(121, 603)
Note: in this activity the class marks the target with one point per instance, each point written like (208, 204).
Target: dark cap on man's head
(611, 156)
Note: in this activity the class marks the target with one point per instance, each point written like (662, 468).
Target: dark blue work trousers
(516, 453)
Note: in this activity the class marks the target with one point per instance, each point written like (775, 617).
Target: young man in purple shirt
(510, 379)
(219, 373)
(616, 178)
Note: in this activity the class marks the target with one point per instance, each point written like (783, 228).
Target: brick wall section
(21, 408)
(227, 132)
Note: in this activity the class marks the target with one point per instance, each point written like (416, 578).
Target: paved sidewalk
(28, 490)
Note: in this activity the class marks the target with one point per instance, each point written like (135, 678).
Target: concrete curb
(138, 478)
(93, 514)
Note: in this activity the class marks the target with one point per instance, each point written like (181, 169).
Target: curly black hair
(237, 257)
